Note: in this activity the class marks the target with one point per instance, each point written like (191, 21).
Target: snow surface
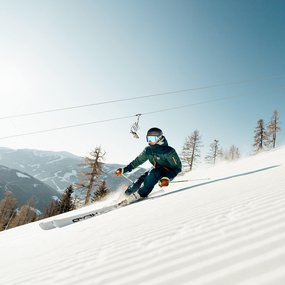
(22, 175)
(227, 230)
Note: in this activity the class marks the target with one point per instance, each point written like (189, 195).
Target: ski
(62, 222)
(47, 225)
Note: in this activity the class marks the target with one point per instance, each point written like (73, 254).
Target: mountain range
(25, 187)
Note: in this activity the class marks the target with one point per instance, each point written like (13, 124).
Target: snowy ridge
(225, 231)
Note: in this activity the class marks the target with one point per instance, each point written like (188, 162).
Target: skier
(166, 166)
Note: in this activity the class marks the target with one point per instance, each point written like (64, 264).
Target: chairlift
(135, 127)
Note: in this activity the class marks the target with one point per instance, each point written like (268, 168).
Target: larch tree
(215, 152)
(51, 210)
(8, 207)
(191, 150)
(260, 137)
(273, 128)
(26, 214)
(232, 154)
(94, 164)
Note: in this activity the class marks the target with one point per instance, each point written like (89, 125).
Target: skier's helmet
(154, 135)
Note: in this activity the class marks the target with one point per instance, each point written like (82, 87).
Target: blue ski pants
(145, 183)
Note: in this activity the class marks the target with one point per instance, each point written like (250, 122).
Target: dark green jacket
(160, 156)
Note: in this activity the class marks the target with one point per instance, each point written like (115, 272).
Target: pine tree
(8, 206)
(215, 152)
(232, 154)
(66, 202)
(101, 191)
(272, 129)
(260, 137)
(191, 150)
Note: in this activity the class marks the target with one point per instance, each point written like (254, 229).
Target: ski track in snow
(227, 231)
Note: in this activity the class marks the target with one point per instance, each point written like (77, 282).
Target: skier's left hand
(164, 181)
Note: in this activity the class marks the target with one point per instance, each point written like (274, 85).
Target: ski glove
(164, 181)
(119, 171)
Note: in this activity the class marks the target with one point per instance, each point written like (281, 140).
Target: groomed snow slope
(226, 230)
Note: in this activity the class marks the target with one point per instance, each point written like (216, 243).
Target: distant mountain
(59, 169)
(24, 187)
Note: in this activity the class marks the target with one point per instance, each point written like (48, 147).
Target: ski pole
(188, 180)
(127, 178)
(123, 175)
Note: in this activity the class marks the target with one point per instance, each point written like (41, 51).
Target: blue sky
(57, 54)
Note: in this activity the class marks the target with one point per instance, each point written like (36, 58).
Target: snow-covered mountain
(25, 187)
(57, 169)
(226, 230)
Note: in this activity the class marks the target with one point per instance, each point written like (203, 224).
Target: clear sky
(57, 54)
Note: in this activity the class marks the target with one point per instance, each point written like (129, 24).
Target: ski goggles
(152, 138)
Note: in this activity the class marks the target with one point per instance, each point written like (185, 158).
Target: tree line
(265, 136)
(11, 216)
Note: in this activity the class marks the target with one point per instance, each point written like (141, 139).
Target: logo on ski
(85, 217)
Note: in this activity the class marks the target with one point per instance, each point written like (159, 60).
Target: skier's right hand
(119, 172)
